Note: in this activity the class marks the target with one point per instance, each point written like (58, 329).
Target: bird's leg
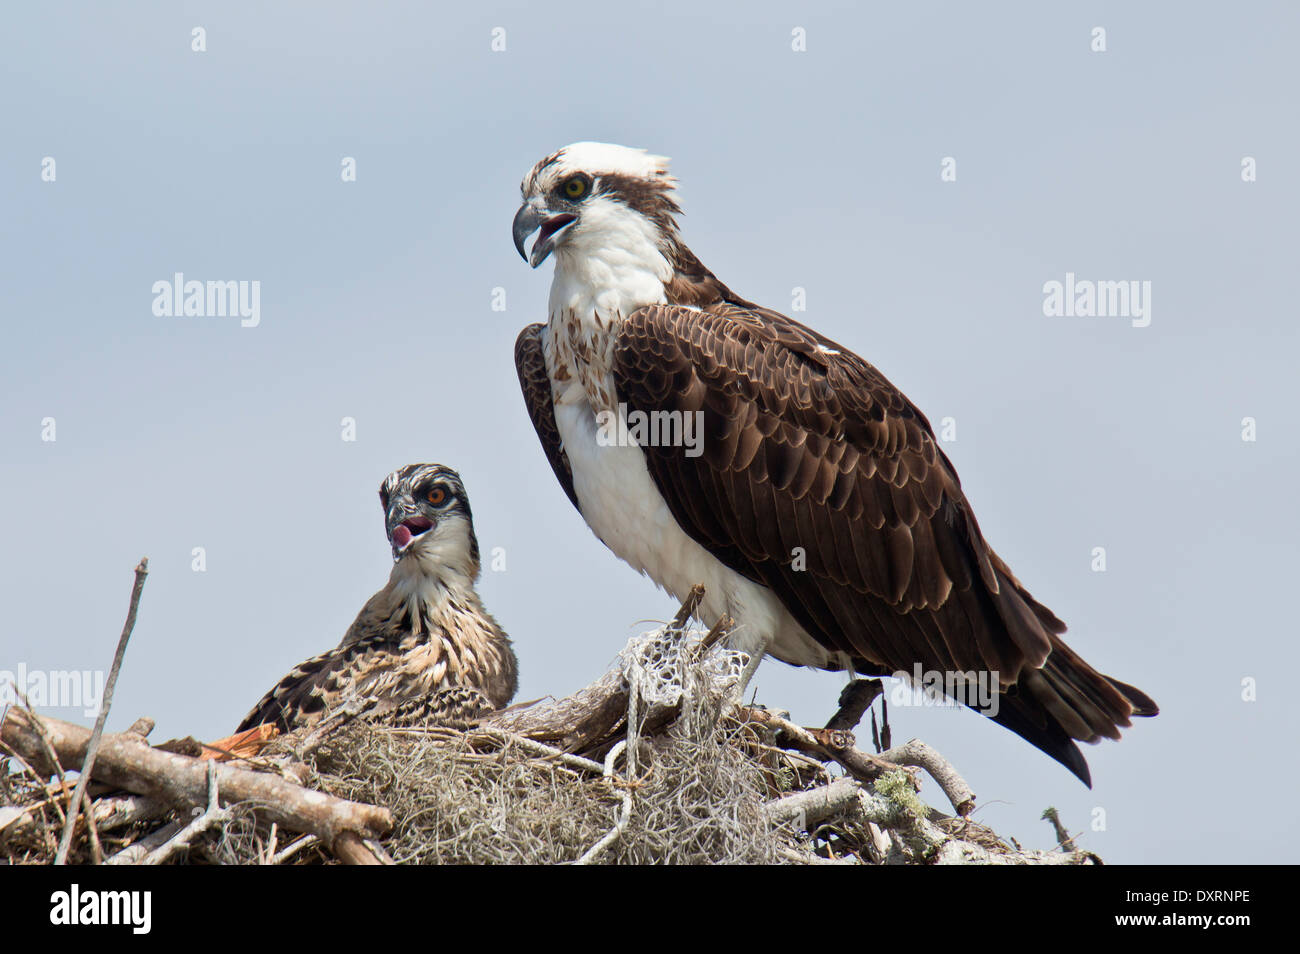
(747, 674)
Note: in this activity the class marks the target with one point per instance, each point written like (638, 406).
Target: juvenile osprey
(818, 510)
(423, 648)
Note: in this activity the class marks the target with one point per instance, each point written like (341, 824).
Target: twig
(378, 851)
(720, 631)
(837, 746)
(350, 849)
(805, 858)
(863, 765)
(687, 609)
(793, 755)
(122, 810)
(132, 854)
(328, 726)
(47, 750)
(807, 809)
(1064, 840)
(49, 839)
(213, 815)
(270, 844)
(92, 830)
(20, 819)
(78, 796)
(539, 749)
(938, 768)
(906, 837)
(92, 750)
(126, 762)
(305, 841)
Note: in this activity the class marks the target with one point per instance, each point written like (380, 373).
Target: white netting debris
(659, 666)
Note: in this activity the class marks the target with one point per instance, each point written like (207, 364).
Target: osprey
(816, 508)
(423, 648)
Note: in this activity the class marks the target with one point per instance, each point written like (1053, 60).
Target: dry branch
(92, 747)
(576, 723)
(351, 850)
(214, 815)
(905, 837)
(830, 745)
(840, 746)
(1063, 839)
(135, 853)
(126, 762)
(118, 811)
(921, 755)
(701, 780)
(306, 841)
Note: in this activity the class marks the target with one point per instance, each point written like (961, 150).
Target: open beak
(401, 533)
(530, 219)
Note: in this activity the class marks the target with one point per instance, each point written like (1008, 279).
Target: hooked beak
(528, 220)
(401, 532)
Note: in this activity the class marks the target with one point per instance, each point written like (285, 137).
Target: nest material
(696, 801)
(653, 764)
(462, 797)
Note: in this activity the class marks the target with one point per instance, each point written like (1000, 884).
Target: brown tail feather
(1143, 705)
(1064, 699)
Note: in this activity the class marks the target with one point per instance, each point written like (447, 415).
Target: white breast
(622, 505)
(610, 266)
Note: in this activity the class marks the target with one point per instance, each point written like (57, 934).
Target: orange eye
(436, 496)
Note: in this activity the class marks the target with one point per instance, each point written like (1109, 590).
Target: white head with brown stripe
(607, 214)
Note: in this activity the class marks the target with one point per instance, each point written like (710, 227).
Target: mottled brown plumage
(818, 479)
(422, 648)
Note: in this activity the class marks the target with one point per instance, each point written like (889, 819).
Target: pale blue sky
(818, 170)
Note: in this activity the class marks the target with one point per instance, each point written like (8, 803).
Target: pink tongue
(401, 537)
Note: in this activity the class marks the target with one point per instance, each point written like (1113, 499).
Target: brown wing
(454, 705)
(811, 456)
(377, 670)
(536, 385)
(301, 696)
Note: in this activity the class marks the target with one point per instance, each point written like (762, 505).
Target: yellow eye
(436, 496)
(575, 188)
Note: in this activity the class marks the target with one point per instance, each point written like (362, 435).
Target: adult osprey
(423, 648)
(818, 510)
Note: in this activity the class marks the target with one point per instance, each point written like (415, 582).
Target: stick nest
(653, 764)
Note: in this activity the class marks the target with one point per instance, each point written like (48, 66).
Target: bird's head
(428, 520)
(595, 195)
